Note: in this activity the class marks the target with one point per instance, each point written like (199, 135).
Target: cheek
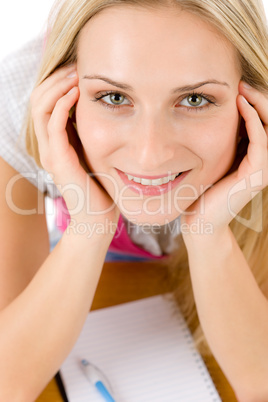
(96, 135)
(218, 146)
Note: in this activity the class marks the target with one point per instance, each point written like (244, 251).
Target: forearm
(43, 322)
(232, 310)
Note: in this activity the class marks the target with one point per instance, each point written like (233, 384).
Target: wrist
(87, 239)
(95, 231)
(218, 239)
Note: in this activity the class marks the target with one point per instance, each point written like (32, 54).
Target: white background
(21, 20)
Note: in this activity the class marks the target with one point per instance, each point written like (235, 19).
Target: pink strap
(121, 242)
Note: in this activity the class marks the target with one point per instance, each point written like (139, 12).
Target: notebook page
(146, 351)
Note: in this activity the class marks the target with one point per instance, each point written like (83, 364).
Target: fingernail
(72, 74)
(247, 86)
(71, 91)
(244, 100)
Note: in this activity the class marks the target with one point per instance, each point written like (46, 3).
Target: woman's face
(157, 99)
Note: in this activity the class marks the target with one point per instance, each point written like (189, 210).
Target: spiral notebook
(145, 350)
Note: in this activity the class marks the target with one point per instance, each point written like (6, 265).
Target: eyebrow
(109, 81)
(198, 85)
(126, 87)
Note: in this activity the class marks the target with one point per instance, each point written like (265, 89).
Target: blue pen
(93, 374)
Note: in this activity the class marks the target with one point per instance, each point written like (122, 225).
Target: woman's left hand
(230, 194)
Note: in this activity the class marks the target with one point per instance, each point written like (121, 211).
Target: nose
(153, 144)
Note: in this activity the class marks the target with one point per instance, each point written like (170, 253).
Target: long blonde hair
(244, 24)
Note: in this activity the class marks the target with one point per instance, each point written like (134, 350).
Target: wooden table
(122, 282)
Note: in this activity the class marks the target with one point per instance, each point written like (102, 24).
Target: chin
(154, 211)
(151, 220)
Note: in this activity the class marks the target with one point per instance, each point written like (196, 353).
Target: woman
(135, 112)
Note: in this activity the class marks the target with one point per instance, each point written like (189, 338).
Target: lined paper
(146, 351)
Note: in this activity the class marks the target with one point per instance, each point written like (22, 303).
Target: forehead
(153, 42)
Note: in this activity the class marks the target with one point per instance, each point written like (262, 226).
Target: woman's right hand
(51, 103)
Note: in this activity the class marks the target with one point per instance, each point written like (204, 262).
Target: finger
(58, 137)
(40, 128)
(55, 77)
(257, 99)
(44, 99)
(257, 149)
(46, 95)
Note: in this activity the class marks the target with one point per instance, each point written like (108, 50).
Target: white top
(18, 73)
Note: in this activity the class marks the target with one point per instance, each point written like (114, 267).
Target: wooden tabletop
(122, 282)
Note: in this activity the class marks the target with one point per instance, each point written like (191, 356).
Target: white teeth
(154, 182)
(146, 182)
(158, 182)
(166, 179)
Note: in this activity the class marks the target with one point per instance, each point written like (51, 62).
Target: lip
(151, 190)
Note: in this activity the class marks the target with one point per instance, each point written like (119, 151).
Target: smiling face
(157, 99)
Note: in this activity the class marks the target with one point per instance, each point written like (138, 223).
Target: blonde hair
(254, 245)
(243, 23)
